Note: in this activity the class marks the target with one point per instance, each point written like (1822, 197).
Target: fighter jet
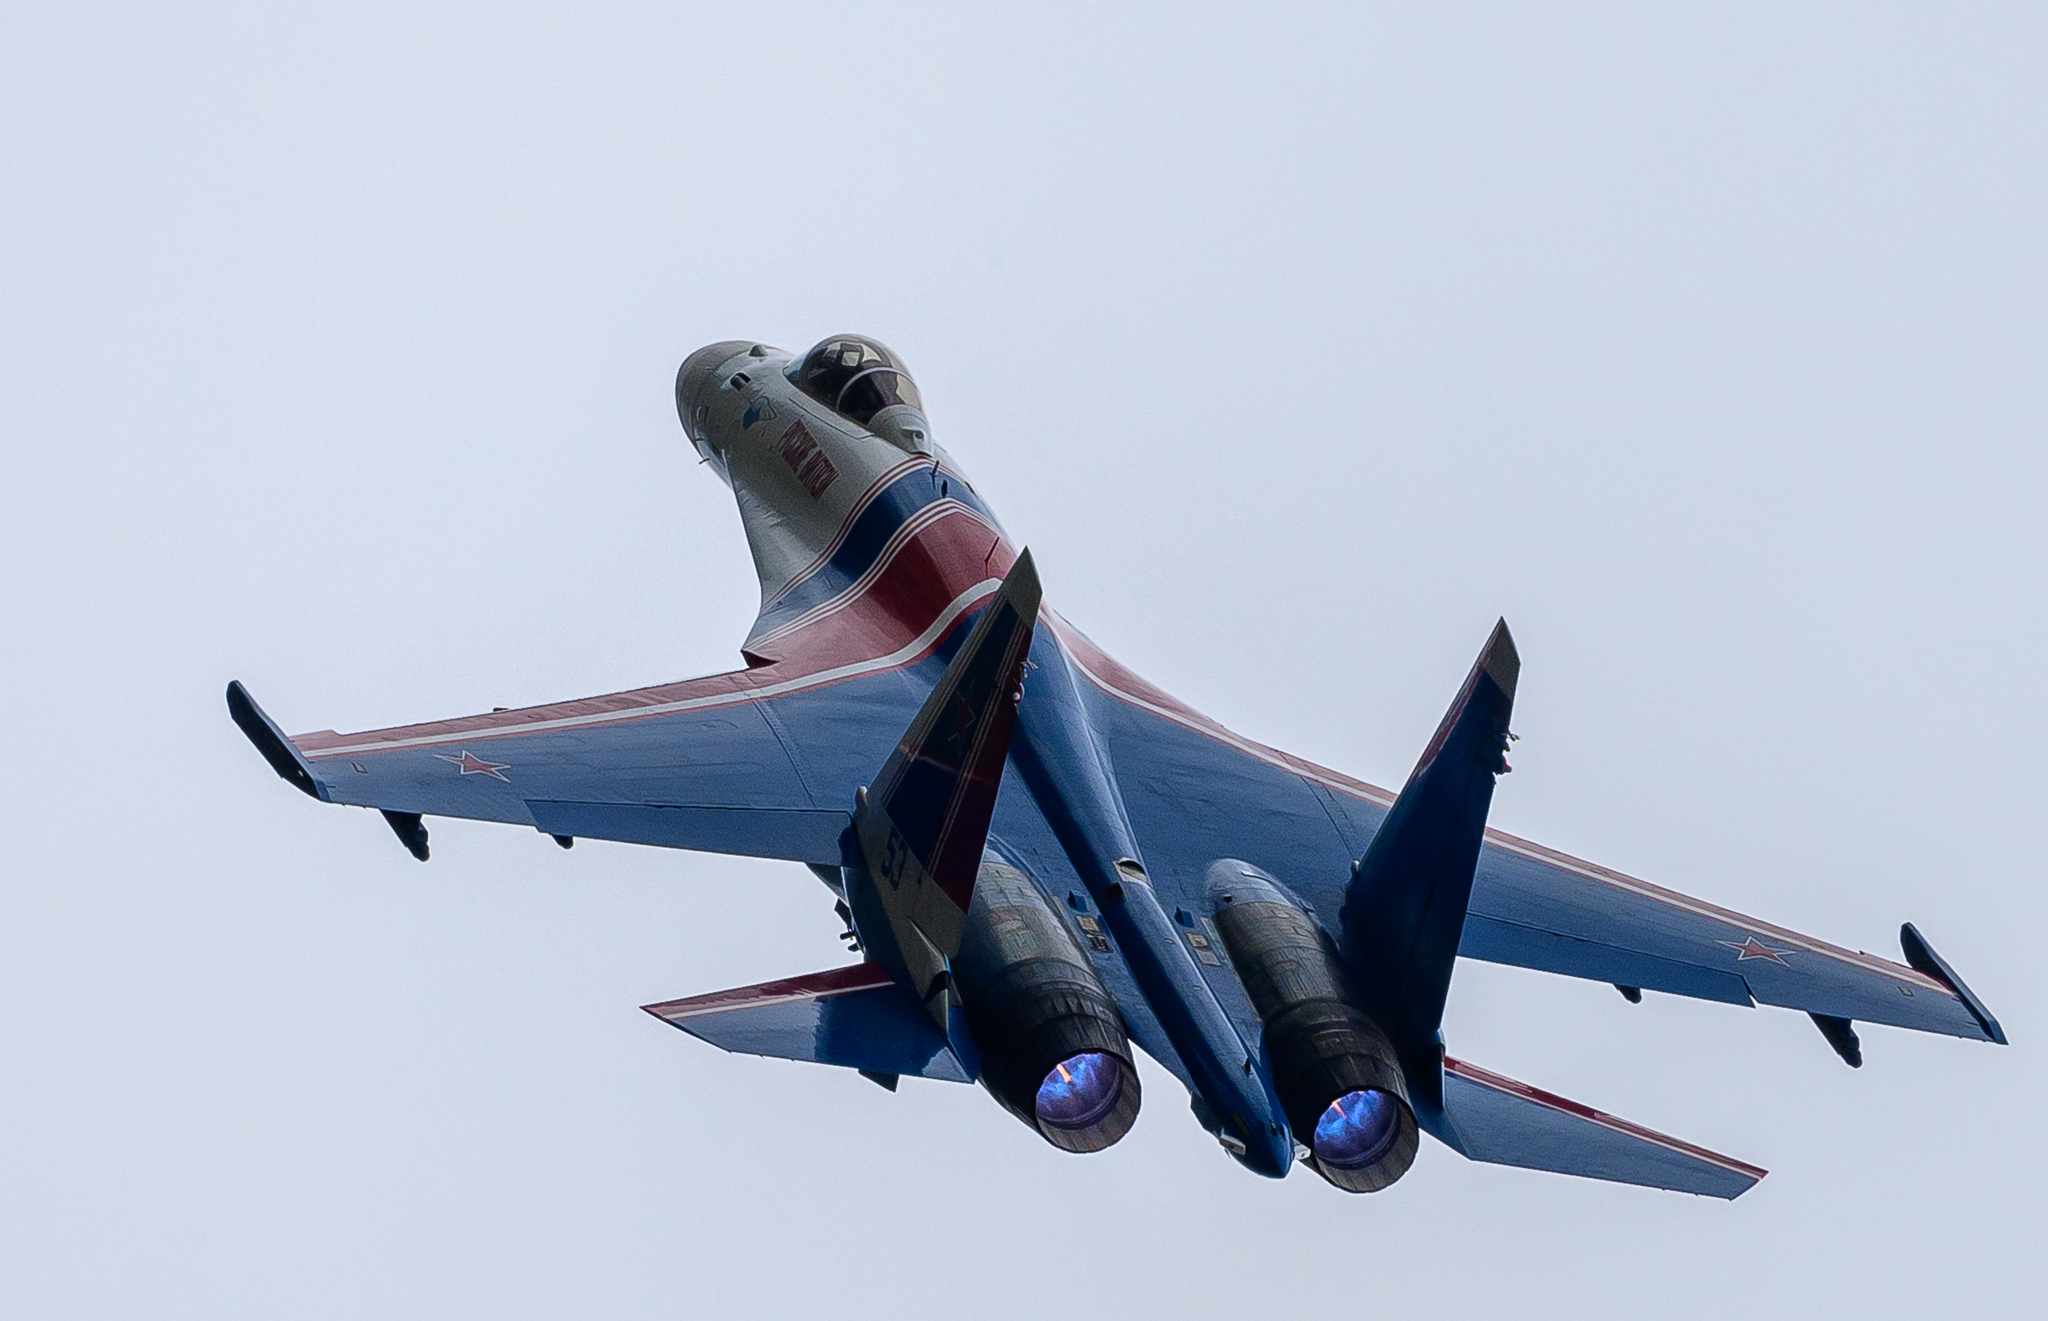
(1046, 864)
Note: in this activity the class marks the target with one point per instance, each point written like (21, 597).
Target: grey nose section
(698, 376)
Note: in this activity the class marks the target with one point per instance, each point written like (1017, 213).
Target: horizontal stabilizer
(856, 1017)
(1487, 1117)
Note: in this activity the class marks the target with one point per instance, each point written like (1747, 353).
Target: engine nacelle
(1053, 1049)
(1338, 1078)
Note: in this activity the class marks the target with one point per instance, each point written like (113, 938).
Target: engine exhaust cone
(1364, 1140)
(1357, 1129)
(1087, 1102)
(1337, 1075)
(1053, 1048)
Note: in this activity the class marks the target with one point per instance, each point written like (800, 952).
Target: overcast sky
(1705, 343)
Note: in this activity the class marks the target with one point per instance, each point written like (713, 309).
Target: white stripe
(1217, 732)
(768, 1001)
(903, 655)
(892, 548)
(860, 506)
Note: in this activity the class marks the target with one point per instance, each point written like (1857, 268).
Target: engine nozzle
(1053, 1050)
(1338, 1078)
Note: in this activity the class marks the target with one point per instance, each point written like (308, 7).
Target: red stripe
(921, 575)
(927, 574)
(860, 505)
(810, 986)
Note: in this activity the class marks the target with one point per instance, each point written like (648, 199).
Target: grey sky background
(1704, 343)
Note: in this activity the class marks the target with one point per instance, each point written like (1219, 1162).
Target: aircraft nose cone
(697, 377)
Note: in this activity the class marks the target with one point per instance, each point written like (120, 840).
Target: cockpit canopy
(857, 377)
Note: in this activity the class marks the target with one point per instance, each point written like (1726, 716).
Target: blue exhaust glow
(1358, 1129)
(1080, 1090)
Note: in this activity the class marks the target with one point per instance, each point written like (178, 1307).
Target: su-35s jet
(1045, 861)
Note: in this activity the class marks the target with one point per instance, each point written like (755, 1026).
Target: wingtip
(262, 731)
(1920, 956)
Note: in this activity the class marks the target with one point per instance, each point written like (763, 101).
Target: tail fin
(923, 823)
(1487, 1117)
(1404, 912)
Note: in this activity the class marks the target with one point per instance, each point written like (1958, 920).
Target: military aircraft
(1044, 861)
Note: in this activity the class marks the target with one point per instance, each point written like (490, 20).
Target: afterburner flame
(1358, 1129)
(1080, 1090)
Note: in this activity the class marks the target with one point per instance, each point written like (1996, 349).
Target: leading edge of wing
(716, 764)
(833, 661)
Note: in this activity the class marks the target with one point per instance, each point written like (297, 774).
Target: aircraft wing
(1537, 908)
(1196, 792)
(763, 762)
(707, 764)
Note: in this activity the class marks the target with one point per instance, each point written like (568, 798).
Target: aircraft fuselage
(817, 490)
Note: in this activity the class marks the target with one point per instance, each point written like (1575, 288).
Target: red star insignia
(471, 764)
(1749, 947)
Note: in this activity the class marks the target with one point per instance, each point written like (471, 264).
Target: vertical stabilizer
(1405, 909)
(923, 823)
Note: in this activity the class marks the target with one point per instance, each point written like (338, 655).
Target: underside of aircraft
(1046, 864)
